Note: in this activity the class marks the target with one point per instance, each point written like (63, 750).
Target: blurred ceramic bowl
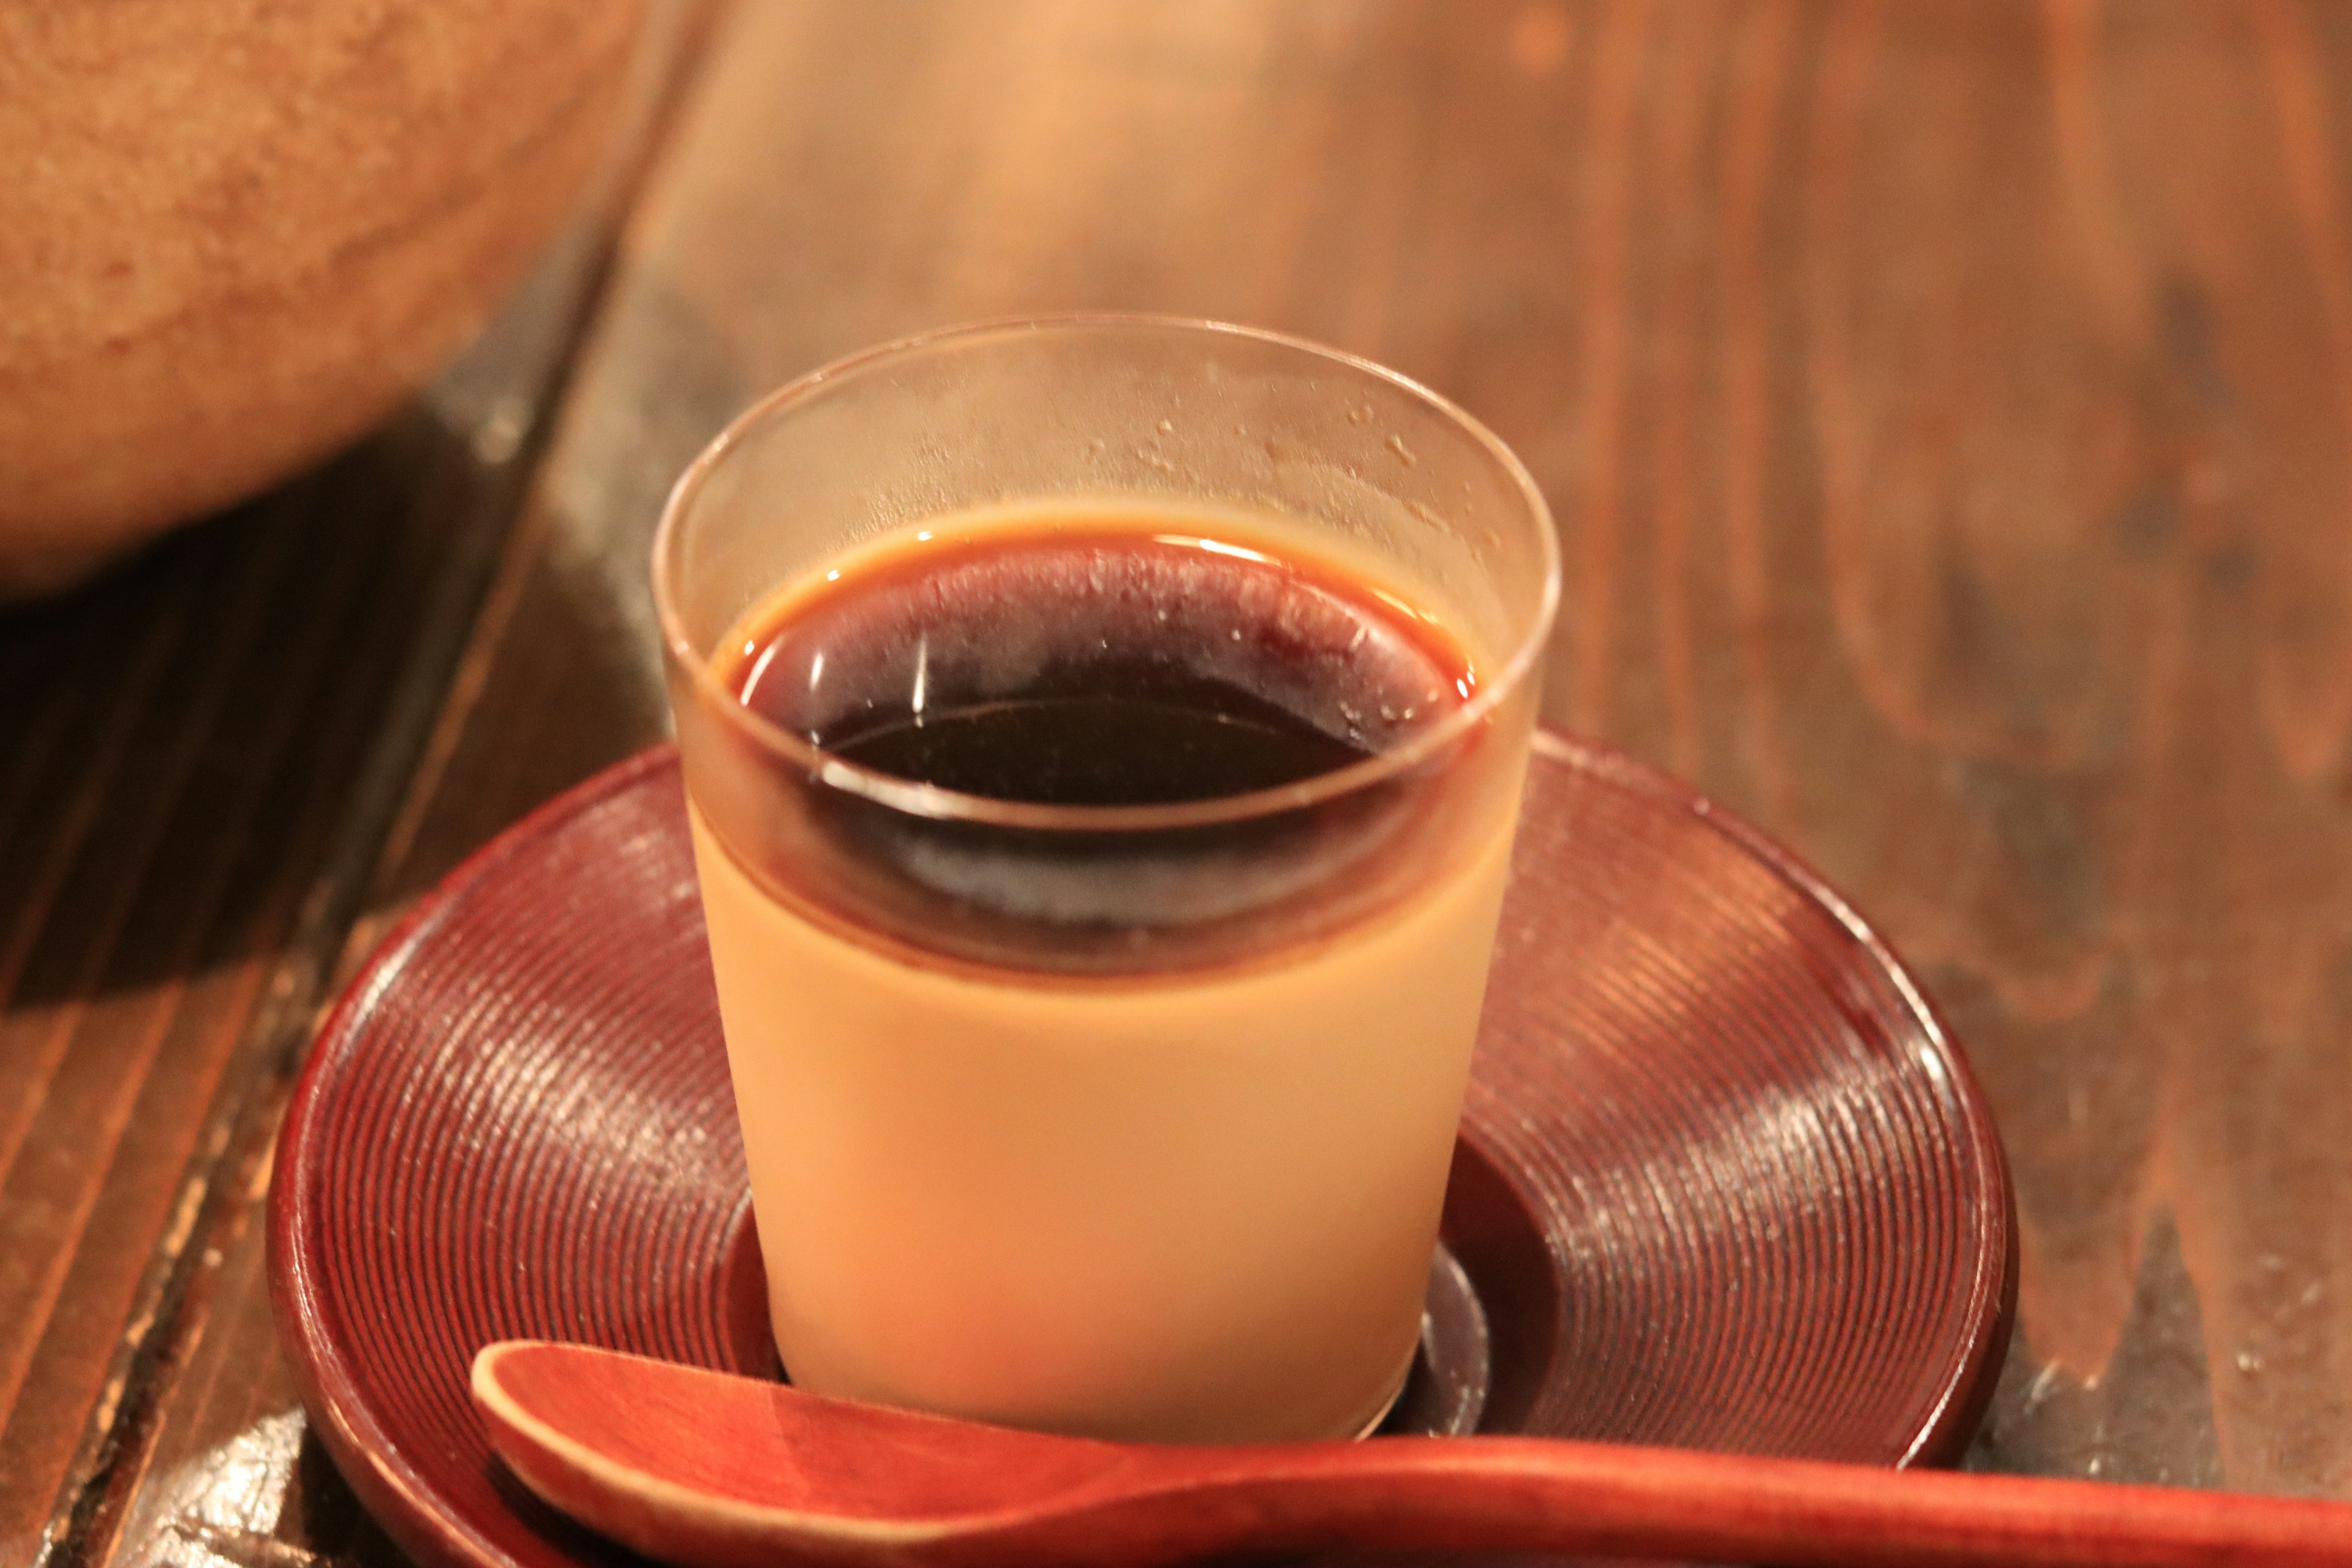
(235, 233)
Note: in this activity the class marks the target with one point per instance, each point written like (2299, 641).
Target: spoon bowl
(710, 1471)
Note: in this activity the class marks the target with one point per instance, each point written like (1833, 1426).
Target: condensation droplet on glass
(1403, 452)
(499, 435)
(1167, 426)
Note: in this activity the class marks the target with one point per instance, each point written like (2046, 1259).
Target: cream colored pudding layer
(1200, 1208)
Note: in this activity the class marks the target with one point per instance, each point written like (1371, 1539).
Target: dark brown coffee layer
(1097, 666)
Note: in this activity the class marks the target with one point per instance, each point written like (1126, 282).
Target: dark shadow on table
(188, 737)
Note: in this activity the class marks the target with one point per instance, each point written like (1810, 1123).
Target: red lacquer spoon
(710, 1470)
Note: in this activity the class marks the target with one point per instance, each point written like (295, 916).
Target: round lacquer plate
(1723, 1180)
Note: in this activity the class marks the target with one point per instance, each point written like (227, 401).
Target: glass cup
(1128, 1120)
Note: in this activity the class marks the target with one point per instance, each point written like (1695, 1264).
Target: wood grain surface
(204, 753)
(1945, 408)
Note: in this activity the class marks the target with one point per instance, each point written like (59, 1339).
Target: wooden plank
(1944, 410)
(2056, 625)
(214, 745)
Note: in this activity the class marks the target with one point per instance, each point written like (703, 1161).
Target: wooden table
(1946, 408)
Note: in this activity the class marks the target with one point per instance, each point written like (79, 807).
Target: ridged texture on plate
(1724, 1183)
(1777, 1200)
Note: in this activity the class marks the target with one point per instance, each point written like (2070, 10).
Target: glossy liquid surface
(1103, 666)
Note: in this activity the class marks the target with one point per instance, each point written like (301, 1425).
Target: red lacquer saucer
(1723, 1181)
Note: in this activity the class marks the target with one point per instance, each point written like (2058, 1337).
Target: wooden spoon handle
(1512, 1494)
(715, 1471)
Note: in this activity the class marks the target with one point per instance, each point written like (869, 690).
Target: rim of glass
(918, 799)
